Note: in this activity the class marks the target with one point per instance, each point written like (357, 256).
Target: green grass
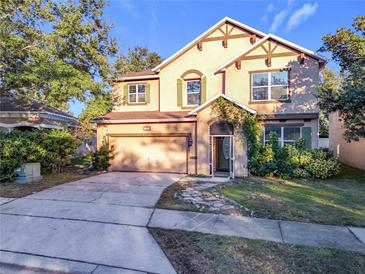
(13, 190)
(337, 201)
(192, 252)
(168, 199)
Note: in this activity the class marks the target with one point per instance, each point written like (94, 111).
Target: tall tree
(348, 96)
(137, 59)
(54, 51)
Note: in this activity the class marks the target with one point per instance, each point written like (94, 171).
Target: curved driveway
(97, 224)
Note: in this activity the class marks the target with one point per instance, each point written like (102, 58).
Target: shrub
(292, 161)
(300, 173)
(323, 168)
(100, 158)
(52, 148)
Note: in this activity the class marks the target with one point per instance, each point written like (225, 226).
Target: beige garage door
(152, 153)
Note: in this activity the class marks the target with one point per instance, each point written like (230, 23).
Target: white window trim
(268, 86)
(137, 92)
(281, 137)
(186, 89)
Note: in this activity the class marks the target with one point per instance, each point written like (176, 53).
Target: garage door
(152, 153)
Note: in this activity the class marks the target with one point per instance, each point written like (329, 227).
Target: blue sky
(166, 26)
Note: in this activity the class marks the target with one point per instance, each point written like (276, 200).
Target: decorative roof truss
(269, 48)
(226, 33)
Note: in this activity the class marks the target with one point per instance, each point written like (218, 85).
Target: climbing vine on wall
(240, 119)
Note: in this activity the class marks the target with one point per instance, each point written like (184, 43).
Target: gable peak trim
(204, 34)
(209, 102)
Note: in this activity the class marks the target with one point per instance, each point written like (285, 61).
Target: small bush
(52, 148)
(100, 158)
(292, 161)
(323, 168)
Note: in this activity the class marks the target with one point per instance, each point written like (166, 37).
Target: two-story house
(162, 120)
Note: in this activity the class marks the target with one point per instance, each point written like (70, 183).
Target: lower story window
(286, 134)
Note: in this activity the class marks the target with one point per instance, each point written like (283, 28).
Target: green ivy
(241, 119)
(290, 161)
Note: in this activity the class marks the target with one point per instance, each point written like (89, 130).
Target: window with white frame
(272, 85)
(137, 93)
(193, 89)
(286, 134)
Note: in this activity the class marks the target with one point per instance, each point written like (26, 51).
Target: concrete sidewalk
(347, 238)
(94, 225)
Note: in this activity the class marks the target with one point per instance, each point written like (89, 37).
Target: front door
(223, 154)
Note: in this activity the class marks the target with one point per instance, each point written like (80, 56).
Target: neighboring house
(353, 153)
(21, 114)
(163, 122)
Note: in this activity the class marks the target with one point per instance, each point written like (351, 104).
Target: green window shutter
(179, 93)
(307, 136)
(148, 93)
(203, 94)
(125, 93)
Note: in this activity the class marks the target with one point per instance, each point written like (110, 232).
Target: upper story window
(272, 85)
(137, 93)
(193, 91)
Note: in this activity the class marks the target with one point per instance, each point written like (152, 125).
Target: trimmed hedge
(52, 148)
(292, 161)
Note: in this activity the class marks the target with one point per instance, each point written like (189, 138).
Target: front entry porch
(221, 155)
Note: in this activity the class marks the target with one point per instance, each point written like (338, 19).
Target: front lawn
(337, 201)
(192, 252)
(13, 190)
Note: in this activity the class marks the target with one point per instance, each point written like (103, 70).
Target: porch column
(240, 153)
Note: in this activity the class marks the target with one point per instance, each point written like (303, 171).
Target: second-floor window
(137, 93)
(193, 89)
(269, 86)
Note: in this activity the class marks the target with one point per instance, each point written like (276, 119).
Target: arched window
(191, 88)
(221, 128)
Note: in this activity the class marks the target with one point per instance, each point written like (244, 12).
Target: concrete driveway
(96, 225)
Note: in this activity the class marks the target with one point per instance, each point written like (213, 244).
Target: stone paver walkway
(203, 195)
(308, 234)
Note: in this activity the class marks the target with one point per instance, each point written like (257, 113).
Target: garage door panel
(155, 154)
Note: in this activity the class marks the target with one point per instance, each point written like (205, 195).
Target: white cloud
(278, 20)
(130, 7)
(269, 9)
(300, 15)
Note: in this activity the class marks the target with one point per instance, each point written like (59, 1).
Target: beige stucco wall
(352, 154)
(120, 103)
(156, 128)
(302, 80)
(206, 61)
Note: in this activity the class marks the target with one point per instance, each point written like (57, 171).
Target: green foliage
(240, 119)
(100, 158)
(293, 161)
(54, 51)
(52, 148)
(346, 94)
(137, 59)
(95, 107)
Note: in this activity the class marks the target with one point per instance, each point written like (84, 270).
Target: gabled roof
(206, 33)
(263, 40)
(209, 102)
